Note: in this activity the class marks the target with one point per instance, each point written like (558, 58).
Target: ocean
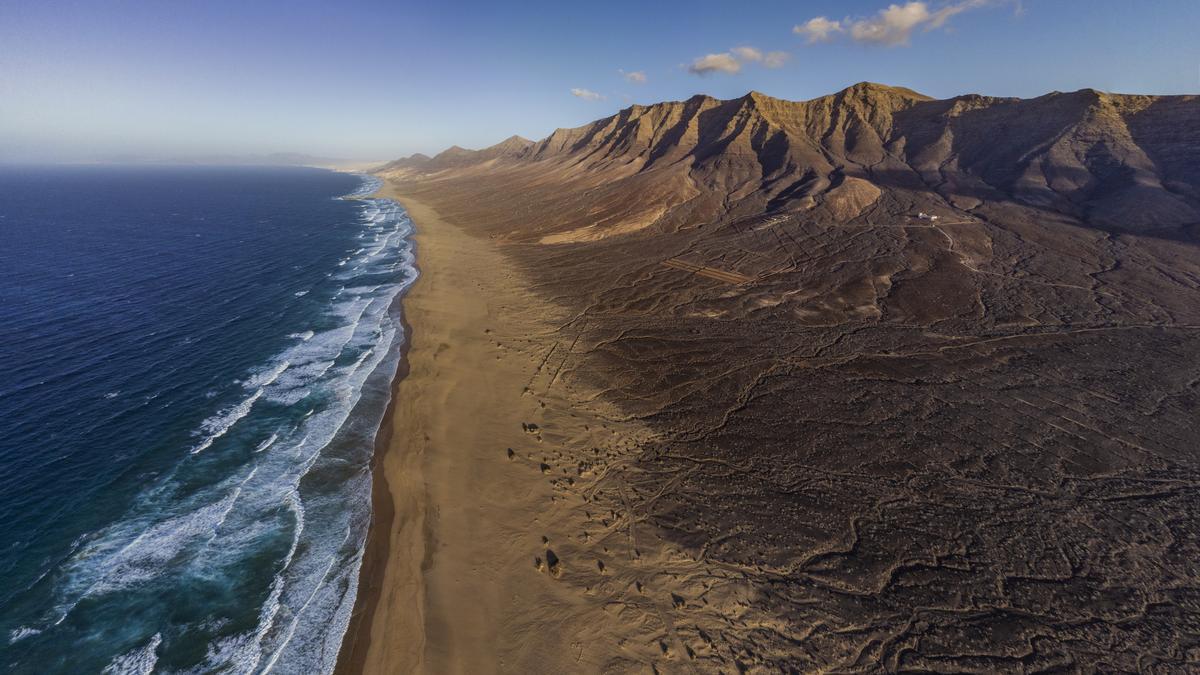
(194, 362)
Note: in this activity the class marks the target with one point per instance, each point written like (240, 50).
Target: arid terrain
(889, 383)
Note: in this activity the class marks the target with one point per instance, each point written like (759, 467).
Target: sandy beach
(479, 558)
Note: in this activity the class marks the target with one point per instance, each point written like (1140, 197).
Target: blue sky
(372, 80)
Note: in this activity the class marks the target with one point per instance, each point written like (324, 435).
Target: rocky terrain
(921, 376)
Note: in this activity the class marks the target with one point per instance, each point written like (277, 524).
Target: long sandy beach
(473, 563)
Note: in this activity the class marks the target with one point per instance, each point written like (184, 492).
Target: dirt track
(709, 272)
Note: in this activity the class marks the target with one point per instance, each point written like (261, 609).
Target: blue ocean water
(193, 365)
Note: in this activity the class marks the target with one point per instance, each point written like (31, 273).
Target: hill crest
(1111, 161)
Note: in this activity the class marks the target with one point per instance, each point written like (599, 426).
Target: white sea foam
(215, 528)
(22, 633)
(241, 653)
(132, 552)
(267, 443)
(140, 661)
(218, 425)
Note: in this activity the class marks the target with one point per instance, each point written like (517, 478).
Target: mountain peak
(875, 90)
(758, 97)
(513, 145)
(514, 141)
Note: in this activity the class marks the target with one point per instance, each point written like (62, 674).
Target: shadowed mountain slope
(1107, 161)
(881, 441)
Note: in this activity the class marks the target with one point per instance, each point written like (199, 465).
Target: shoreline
(357, 638)
(375, 548)
(478, 557)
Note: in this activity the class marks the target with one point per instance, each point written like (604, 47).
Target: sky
(370, 80)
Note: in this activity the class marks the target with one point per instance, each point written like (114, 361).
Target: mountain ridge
(1103, 159)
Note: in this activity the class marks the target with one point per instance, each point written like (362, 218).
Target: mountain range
(918, 377)
(1115, 162)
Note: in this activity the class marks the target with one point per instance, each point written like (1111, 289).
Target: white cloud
(733, 60)
(775, 59)
(747, 54)
(715, 63)
(587, 94)
(943, 15)
(892, 26)
(636, 76)
(819, 29)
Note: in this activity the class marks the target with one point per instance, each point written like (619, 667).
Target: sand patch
(598, 231)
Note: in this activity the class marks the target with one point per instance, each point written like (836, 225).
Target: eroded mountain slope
(883, 442)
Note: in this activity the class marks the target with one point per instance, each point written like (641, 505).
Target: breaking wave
(271, 502)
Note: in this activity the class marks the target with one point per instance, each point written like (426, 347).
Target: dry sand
(480, 561)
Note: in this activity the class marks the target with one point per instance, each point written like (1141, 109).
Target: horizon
(365, 83)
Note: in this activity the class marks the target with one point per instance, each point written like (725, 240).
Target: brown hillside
(876, 442)
(1107, 161)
